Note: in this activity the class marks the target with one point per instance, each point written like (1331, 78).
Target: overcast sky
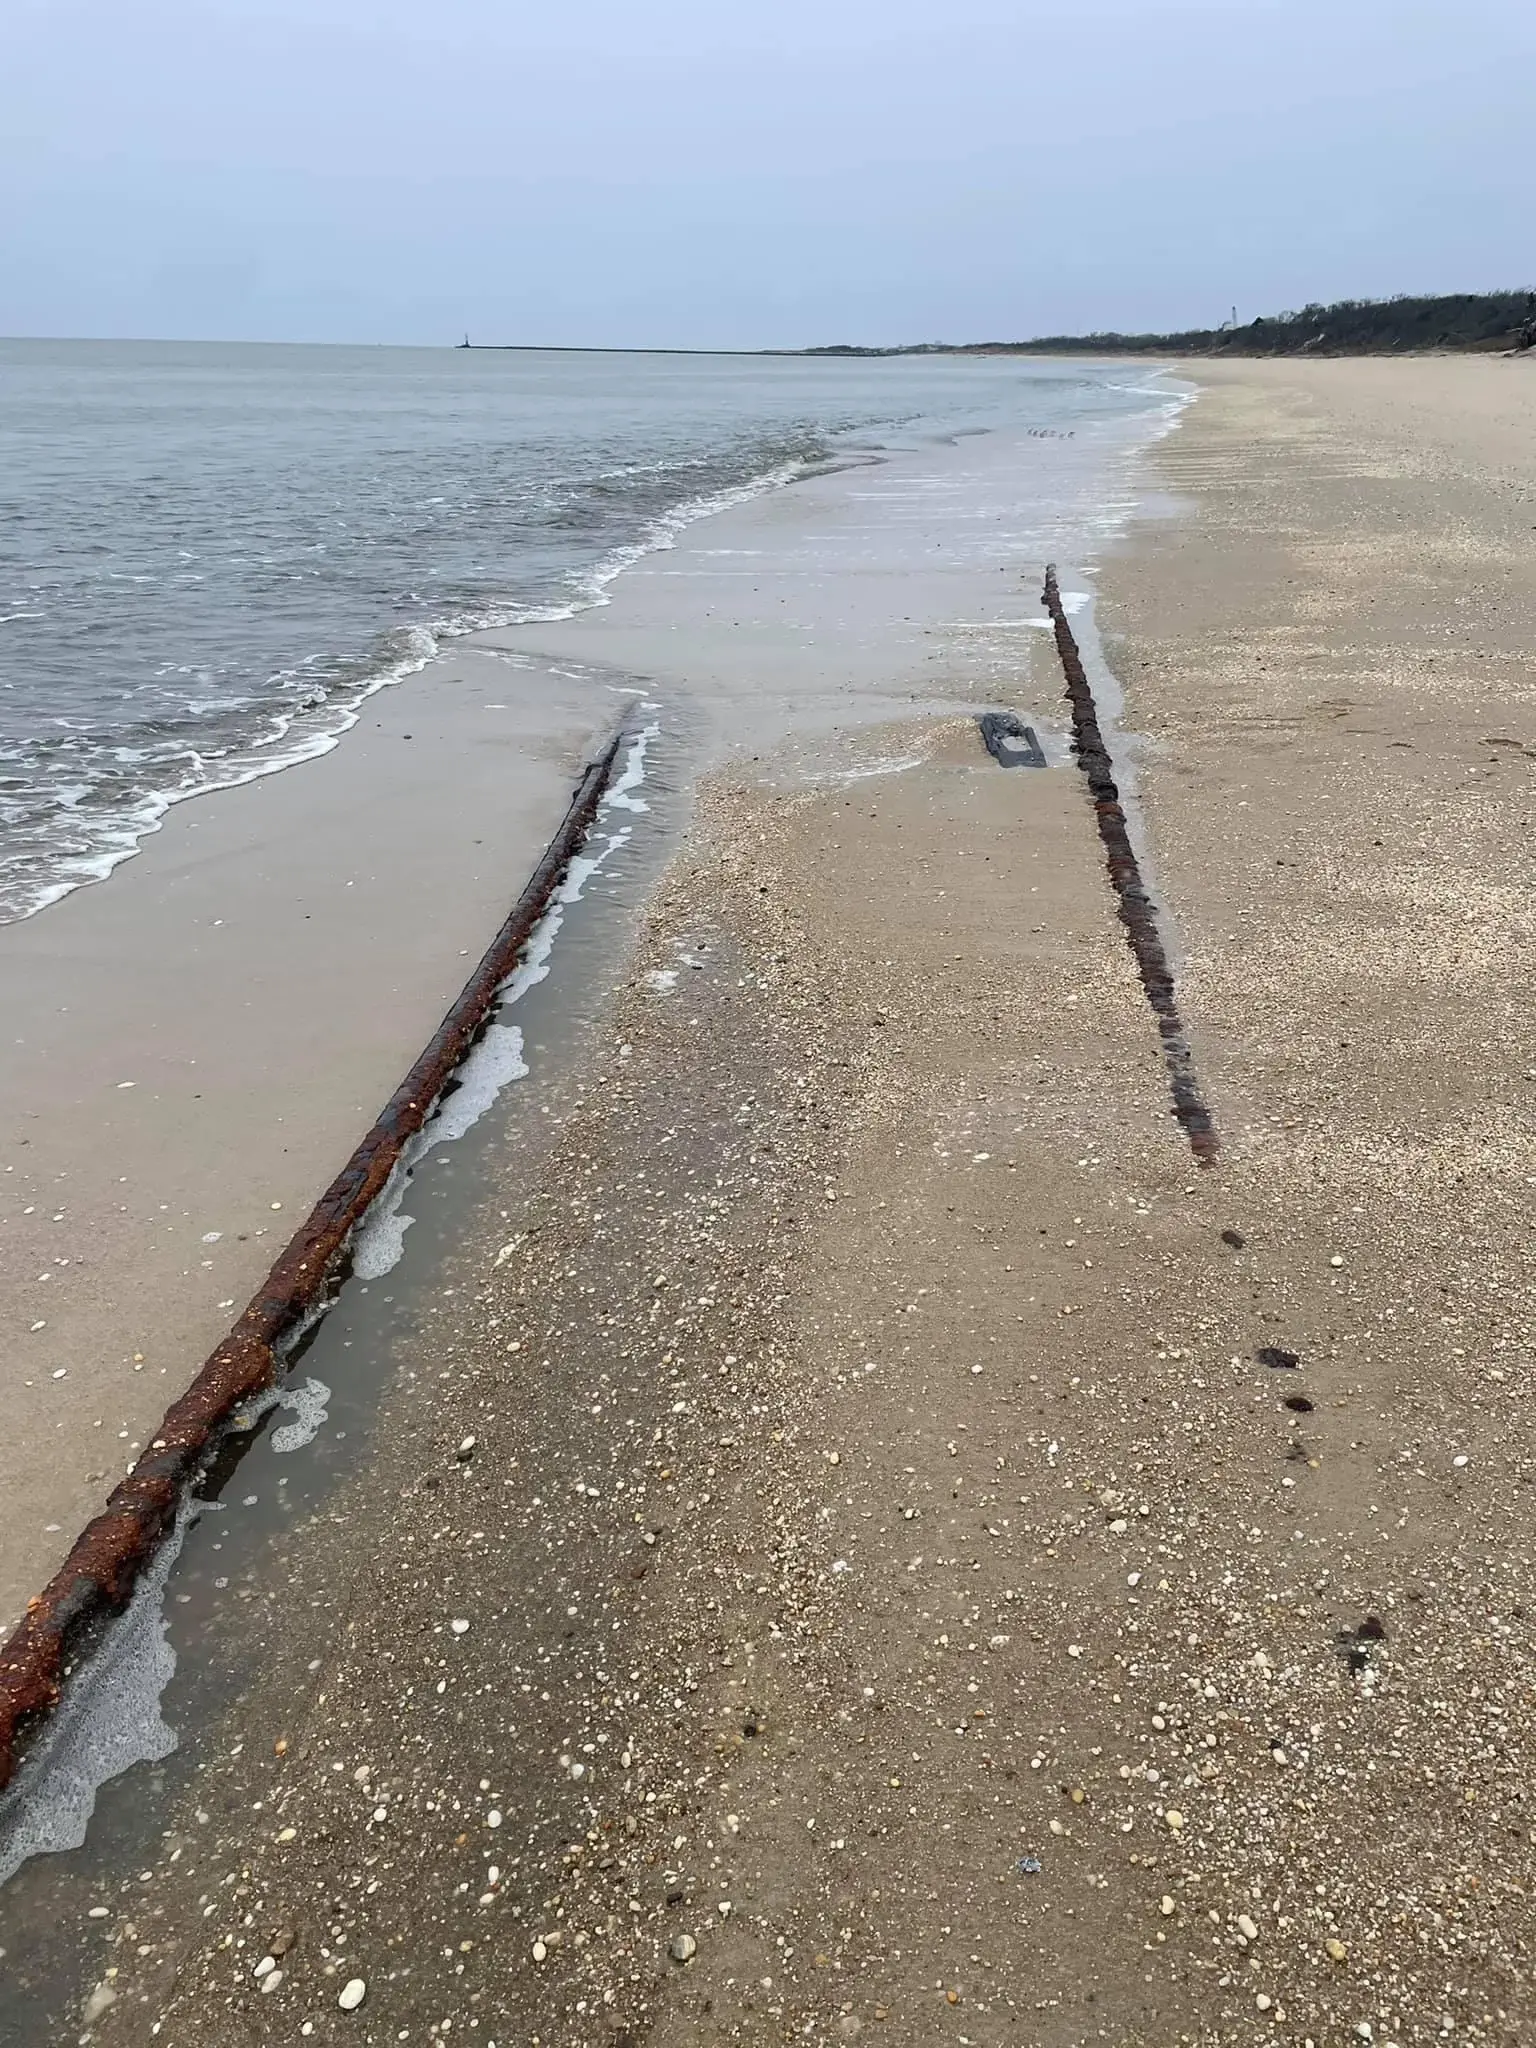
(741, 172)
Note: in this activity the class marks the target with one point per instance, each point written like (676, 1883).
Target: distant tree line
(1488, 321)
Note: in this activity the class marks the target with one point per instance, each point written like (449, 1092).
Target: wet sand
(194, 1046)
(859, 596)
(933, 1563)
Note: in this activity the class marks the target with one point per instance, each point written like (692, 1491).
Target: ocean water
(210, 555)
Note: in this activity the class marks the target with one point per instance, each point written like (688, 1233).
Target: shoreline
(341, 713)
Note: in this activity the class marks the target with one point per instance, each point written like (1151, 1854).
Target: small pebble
(101, 2000)
(682, 1948)
(353, 1992)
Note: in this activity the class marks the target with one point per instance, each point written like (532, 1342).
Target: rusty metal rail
(112, 1551)
(1138, 912)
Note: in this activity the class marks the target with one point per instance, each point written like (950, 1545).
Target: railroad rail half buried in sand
(112, 1551)
(1138, 912)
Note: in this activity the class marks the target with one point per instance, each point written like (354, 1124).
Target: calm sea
(210, 554)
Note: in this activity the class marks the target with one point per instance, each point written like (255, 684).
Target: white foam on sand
(493, 1061)
(108, 1721)
(308, 1399)
(310, 1405)
(890, 764)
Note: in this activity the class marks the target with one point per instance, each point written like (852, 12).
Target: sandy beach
(878, 1543)
(198, 1042)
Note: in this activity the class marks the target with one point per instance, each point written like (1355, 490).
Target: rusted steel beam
(1138, 913)
(101, 1570)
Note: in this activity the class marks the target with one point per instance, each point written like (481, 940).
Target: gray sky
(741, 172)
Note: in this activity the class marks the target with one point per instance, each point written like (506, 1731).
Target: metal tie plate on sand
(1010, 742)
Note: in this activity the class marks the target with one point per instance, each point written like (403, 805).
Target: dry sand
(898, 1602)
